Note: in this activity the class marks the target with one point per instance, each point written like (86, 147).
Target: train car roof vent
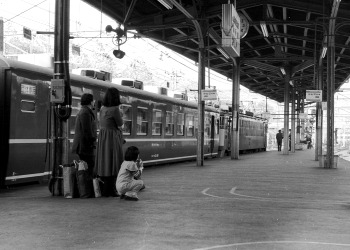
(249, 113)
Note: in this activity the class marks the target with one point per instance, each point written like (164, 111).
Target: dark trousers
(108, 186)
(279, 145)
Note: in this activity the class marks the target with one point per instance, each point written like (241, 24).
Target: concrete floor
(262, 201)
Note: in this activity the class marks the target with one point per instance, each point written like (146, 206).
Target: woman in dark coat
(85, 136)
(109, 153)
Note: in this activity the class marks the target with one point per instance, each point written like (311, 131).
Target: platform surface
(263, 200)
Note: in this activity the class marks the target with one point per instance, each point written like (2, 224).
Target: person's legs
(132, 188)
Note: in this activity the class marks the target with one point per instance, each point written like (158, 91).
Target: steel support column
(59, 124)
(286, 114)
(201, 86)
(298, 120)
(319, 117)
(293, 122)
(330, 99)
(235, 111)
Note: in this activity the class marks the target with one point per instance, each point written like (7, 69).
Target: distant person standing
(109, 153)
(279, 138)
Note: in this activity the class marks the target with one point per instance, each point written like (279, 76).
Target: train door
(5, 99)
(212, 134)
(28, 131)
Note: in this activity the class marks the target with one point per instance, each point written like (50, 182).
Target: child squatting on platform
(128, 181)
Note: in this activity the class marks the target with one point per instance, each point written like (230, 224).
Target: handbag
(96, 185)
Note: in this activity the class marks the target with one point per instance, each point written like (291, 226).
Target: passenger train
(164, 128)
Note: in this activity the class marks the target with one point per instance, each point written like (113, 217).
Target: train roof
(17, 65)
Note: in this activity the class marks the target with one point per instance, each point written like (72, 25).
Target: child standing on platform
(128, 181)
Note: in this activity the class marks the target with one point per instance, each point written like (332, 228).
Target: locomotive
(163, 128)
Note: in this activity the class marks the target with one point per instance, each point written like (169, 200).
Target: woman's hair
(111, 98)
(86, 99)
(131, 153)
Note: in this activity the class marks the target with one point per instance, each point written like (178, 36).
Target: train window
(157, 122)
(207, 125)
(180, 124)
(169, 129)
(190, 125)
(75, 105)
(126, 111)
(142, 121)
(27, 106)
(195, 125)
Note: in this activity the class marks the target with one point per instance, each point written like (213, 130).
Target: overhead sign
(209, 94)
(314, 95)
(231, 31)
(27, 33)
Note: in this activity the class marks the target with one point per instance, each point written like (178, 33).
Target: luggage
(70, 187)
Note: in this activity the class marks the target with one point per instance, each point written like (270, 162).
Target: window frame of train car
(125, 120)
(171, 122)
(142, 121)
(182, 125)
(188, 126)
(160, 121)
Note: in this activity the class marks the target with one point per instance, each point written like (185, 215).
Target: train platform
(264, 200)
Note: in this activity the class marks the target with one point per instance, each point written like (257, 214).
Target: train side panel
(28, 130)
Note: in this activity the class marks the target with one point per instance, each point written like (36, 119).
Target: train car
(252, 132)
(163, 128)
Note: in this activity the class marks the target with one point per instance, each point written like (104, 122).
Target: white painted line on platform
(248, 196)
(205, 193)
(257, 198)
(274, 242)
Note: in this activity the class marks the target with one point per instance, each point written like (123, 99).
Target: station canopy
(282, 35)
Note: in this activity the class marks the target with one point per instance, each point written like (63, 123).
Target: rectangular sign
(209, 94)
(231, 30)
(314, 95)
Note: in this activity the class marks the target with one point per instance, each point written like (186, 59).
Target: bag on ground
(70, 189)
(85, 184)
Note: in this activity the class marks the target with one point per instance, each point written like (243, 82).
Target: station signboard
(231, 30)
(209, 94)
(314, 95)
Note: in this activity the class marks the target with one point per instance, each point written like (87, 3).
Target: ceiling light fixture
(283, 71)
(223, 53)
(167, 4)
(264, 29)
(324, 51)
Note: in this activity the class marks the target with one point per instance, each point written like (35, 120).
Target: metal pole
(319, 117)
(298, 120)
(286, 113)
(293, 122)
(330, 99)
(201, 86)
(235, 111)
(59, 129)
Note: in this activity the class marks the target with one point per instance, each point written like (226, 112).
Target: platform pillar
(235, 110)
(286, 114)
